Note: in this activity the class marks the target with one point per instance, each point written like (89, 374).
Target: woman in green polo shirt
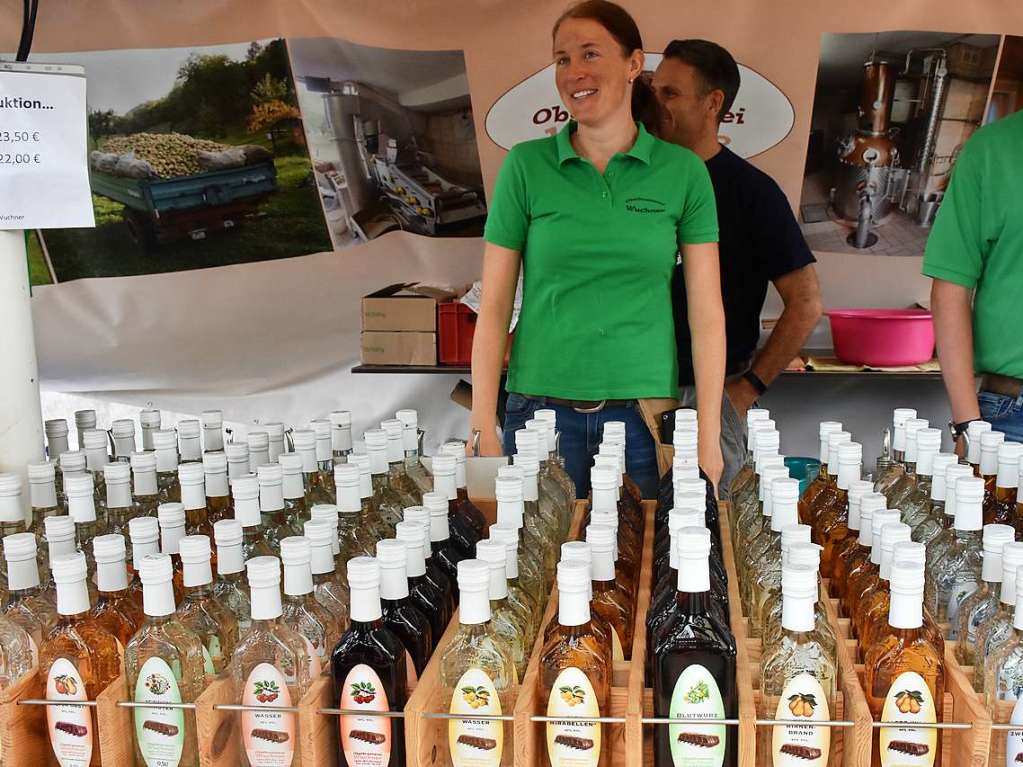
(595, 216)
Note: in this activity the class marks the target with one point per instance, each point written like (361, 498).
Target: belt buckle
(589, 410)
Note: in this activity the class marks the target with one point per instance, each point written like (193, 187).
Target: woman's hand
(490, 443)
(710, 457)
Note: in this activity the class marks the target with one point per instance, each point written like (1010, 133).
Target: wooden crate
(23, 736)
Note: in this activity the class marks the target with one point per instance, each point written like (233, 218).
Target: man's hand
(960, 446)
(742, 395)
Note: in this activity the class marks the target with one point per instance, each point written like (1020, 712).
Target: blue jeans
(1004, 413)
(580, 439)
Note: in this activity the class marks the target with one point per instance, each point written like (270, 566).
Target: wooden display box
(23, 737)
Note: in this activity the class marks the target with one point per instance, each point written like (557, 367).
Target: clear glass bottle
(150, 421)
(144, 534)
(97, 454)
(997, 629)
(171, 517)
(305, 448)
(799, 674)
(212, 431)
(766, 572)
(120, 506)
(551, 497)
(478, 673)
(356, 538)
(218, 491)
(896, 468)
(114, 609)
(956, 575)
(510, 625)
(461, 526)
(411, 442)
(973, 432)
(302, 611)
(17, 656)
(60, 541)
(818, 483)
(905, 674)
(26, 605)
(398, 478)
(84, 420)
(930, 526)
(43, 495)
(163, 663)
(122, 434)
(71, 463)
(430, 600)
(245, 492)
(296, 510)
(78, 660)
(341, 435)
(1003, 670)
(271, 505)
(750, 518)
(231, 587)
(165, 446)
(1000, 508)
(694, 671)
(145, 486)
(461, 505)
(237, 460)
(189, 440)
(767, 540)
(323, 512)
(938, 545)
(82, 509)
(983, 602)
(324, 459)
(766, 442)
(259, 449)
(12, 513)
(209, 619)
(386, 500)
(517, 595)
(508, 491)
(555, 461)
(906, 483)
(270, 668)
(327, 588)
(802, 554)
(372, 518)
(275, 440)
(192, 478)
(916, 504)
(990, 442)
(400, 612)
(56, 438)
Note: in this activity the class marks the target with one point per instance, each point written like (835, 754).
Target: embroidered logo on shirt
(644, 205)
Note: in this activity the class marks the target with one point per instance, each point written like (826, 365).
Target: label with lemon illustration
(799, 745)
(70, 726)
(908, 700)
(696, 696)
(475, 742)
(1014, 743)
(572, 743)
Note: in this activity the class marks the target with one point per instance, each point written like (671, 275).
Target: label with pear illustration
(475, 742)
(696, 696)
(71, 728)
(160, 732)
(1014, 743)
(573, 743)
(909, 699)
(802, 745)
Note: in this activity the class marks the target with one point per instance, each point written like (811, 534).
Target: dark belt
(587, 405)
(999, 384)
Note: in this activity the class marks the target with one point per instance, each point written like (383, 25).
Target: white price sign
(44, 175)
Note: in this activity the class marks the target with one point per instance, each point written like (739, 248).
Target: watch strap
(755, 381)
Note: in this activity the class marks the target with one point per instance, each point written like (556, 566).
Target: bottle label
(268, 736)
(801, 745)
(909, 699)
(160, 732)
(573, 744)
(617, 653)
(70, 726)
(1014, 743)
(366, 740)
(960, 592)
(315, 653)
(475, 742)
(696, 696)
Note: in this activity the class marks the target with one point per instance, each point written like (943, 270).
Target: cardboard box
(401, 348)
(403, 306)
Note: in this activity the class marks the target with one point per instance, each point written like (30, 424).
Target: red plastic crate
(456, 324)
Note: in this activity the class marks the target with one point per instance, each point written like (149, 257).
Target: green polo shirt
(977, 241)
(598, 253)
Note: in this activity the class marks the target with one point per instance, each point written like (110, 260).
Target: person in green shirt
(596, 216)
(975, 256)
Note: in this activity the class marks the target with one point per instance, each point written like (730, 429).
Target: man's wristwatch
(959, 429)
(755, 382)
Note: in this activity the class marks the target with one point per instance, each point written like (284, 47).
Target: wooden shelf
(465, 370)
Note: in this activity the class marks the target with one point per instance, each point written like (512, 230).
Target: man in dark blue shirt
(760, 241)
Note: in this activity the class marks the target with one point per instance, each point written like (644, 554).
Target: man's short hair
(715, 66)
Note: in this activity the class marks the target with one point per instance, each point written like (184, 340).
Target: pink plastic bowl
(882, 337)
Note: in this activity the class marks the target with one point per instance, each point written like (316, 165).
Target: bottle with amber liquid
(78, 660)
(305, 450)
(850, 545)
(218, 492)
(694, 667)
(209, 619)
(189, 441)
(166, 449)
(120, 506)
(973, 432)
(826, 498)
(896, 467)
(822, 479)
(875, 611)
(906, 484)
(144, 534)
(115, 610)
(369, 671)
(611, 600)
(82, 509)
(171, 517)
(317, 625)
(892, 534)
(26, 604)
(192, 478)
(400, 614)
(145, 487)
(1000, 507)
(990, 442)
(575, 674)
(866, 574)
(905, 676)
(832, 522)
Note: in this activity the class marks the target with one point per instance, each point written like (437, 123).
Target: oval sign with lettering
(760, 118)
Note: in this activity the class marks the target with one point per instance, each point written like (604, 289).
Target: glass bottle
(866, 574)
(478, 672)
(799, 675)
(372, 518)
(684, 466)
(163, 663)
(538, 529)
(388, 503)
(906, 483)
(983, 602)
(447, 553)
(259, 449)
(26, 605)
(150, 421)
(990, 442)
(56, 438)
(859, 554)
(145, 486)
(554, 506)
(896, 468)
(97, 455)
(827, 496)
(424, 595)
(694, 666)
(766, 571)
(218, 491)
(271, 504)
(973, 431)
(296, 510)
(614, 434)
(517, 595)
(579, 551)
(120, 506)
(850, 545)
(997, 629)
(612, 602)
(1003, 670)
(369, 669)
(78, 659)
(189, 442)
(327, 513)
(938, 545)
(690, 494)
(270, 667)
(192, 479)
(165, 446)
(12, 512)
(956, 575)
(397, 477)
(210, 620)
(144, 534)
(212, 431)
(575, 672)
(237, 460)
(461, 505)
(341, 435)
(171, 517)
(84, 420)
(817, 485)
(876, 612)
(510, 625)
(752, 544)
(1000, 508)
(930, 525)
(114, 609)
(327, 588)
(604, 505)
(122, 435)
(629, 512)
(508, 489)
(43, 495)
(324, 459)
(318, 626)
(305, 449)
(555, 461)
(905, 674)
(401, 614)
(411, 443)
(803, 554)
(915, 505)
(435, 574)
(18, 657)
(71, 463)
(461, 525)
(275, 440)
(82, 509)
(766, 443)
(892, 534)
(231, 588)
(750, 519)
(60, 540)
(245, 492)
(356, 538)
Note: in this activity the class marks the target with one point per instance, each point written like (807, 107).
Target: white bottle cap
(79, 489)
(376, 448)
(1017, 618)
(973, 432)
(22, 568)
(907, 589)
(271, 487)
(969, 503)
(395, 440)
(753, 415)
(508, 536)
(952, 476)
(574, 587)
(10, 498)
(109, 551)
(341, 430)
(149, 418)
(990, 441)
(321, 536)
(59, 529)
(508, 489)
(825, 429)
(93, 439)
(189, 428)
(835, 439)
(117, 473)
(784, 500)
(122, 428)
(767, 479)
(799, 595)
(768, 440)
(237, 457)
(411, 534)
(264, 575)
(324, 445)
(494, 554)
(228, 535)
(195, 557)
(693, 545)
(296, 556)
(474, 592)
(172, 526)
(685, 441)
(1012, 558)
(42, 471)
(365, 580)
(258, 440)
(753, 438)
(143, 530)
(803, 553)
(899, 419)
(909, 551)
(71, 461)
(892, 533)
(857, 489)
(995, 538)
(928, 443)
(55, 427)
(1009, 454)
(870, 502)
(392, 554)
(69, 573)
(793, 534)
(880, 519)
(437, 505)
(525, 438)
(913, 426)
(850, 459)
(212, 419)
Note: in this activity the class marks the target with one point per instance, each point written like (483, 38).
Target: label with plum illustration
(909, 699)
(696, 696)
(475, 742)
(160, 732)
(70, 727)
(268, 736)
(573, 743)
(802, 745)
(366, 740)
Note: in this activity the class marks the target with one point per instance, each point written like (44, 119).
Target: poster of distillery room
(392, 139)
(891, 111)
